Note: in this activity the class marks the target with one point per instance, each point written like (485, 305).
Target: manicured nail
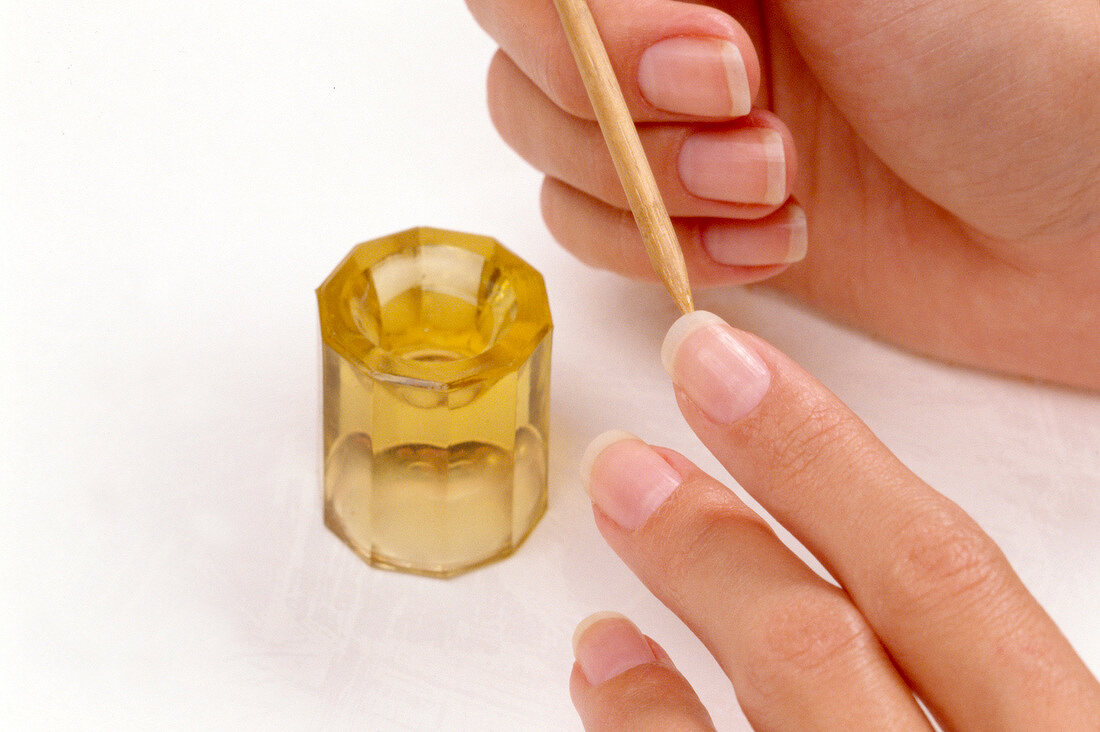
(626, 478)
(698, 76)
(777, 239)
(745, 165)
(607, 644)
(720, 373)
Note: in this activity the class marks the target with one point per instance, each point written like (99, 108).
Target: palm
(873, 235)
(887, 258)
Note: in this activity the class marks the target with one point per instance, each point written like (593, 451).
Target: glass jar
(436, 353)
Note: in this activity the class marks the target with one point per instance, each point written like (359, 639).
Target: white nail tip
(737, 80)
(584, 625)
(800, 240)
(776, 191)
(598, 445)
(679, 332)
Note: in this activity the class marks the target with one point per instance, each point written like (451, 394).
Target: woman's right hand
(927, 605)
(949, 159)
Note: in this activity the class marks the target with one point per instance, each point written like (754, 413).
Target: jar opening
(435, 303)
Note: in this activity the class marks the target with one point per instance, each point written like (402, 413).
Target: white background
(177, 178)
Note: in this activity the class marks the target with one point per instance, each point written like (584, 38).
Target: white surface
(177, 178)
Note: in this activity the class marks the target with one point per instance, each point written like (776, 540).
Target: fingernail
(699, 76)
(626, 478)
(778, 239)
(745, 165)
(607, 644)
(722, 375)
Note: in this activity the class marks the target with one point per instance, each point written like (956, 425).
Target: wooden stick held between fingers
(626, 149)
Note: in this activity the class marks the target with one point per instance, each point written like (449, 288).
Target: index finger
(935, 588)
(674, 60)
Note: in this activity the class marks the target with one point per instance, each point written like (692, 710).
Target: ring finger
(716, 251)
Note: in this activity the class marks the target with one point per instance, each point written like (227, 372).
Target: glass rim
(514, 344)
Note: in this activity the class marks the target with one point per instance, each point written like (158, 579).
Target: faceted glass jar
(436, 350)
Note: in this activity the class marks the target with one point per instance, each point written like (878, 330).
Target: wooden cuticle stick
(622, 140)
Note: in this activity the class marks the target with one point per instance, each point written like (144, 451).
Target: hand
(949, 159)
(927, 604)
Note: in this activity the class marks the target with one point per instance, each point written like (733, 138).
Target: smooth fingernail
(778, 239)
(698, 76)
(626, 478)
(720, 373)
(606, 644)
(746, 165)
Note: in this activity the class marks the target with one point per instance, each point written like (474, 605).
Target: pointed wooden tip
(676, 282)
(683, 300)
(626, 150)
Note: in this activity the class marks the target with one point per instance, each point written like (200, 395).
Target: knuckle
(944, 560)
(645, 685)
(823, 430)
(801, 636)
(700, 545)
(809, 630)
(562, 83)
(653, 697)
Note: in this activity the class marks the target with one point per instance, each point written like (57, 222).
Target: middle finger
(741, 169)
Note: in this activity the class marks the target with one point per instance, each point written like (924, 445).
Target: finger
(743, 168)
(672, 59)
(797, 651)
(935, 588)
(716, 251)
(624, 680)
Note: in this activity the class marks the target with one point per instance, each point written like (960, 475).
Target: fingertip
(584, 625)
(798, 228)
(598, 444)
(718, 251)
(778, 239)
(608, 644)
(622, 679)
(684, 326)
(716, 367)
(705, 77)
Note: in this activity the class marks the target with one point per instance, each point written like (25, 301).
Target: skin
(928, 605)
(945, 155)
(947, 160)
